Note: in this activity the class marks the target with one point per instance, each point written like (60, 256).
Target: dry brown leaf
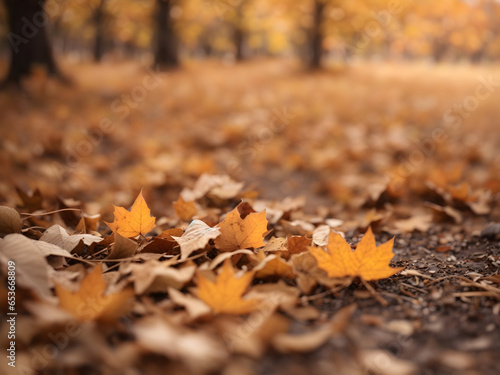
(421, 223)
(307, 342)
(58, 236)
(196, 237)
(122, 248)
(154, 276)
(273, 265)
(197, 350)
(253, 336)
(220, 186)
(194, 306)
(32, 269)
(32, 201)
(275, 295)
(446, 213)
(298, 244)
(222, 257)
(276, 245)
(163, 243)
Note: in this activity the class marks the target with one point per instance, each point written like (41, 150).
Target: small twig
(99, 252)
(415, 287)
(374, 293)
(477, 294)
(50, 212)
(471, 283)
(113, 266)
(329, 291)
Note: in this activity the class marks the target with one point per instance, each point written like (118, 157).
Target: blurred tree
(316, 40)
(166, 53)
(28, 40)
(98, 18)
(239, 33)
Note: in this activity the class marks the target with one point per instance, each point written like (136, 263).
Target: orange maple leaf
(90, 303)
(185, 210)
(225, 294)
(238, 233)
(134, 222)
(368, 261)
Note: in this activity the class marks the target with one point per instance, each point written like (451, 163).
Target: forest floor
(410, 150)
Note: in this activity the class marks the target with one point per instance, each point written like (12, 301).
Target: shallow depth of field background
(332, 100)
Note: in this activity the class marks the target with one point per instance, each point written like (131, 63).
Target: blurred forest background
(173, 30)
(342, 101)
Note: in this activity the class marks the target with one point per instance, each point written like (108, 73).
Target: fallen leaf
(222, 257)
(10, 221)
(368, 261)
(371, 359)
(275, 295)
(225, 294)
(320, 235)
(253, 336)
(185, 210)
(89, 302)
(197, 350)
(483, 203)
(307, 342)
(238, 233)
(134, 222)
(32, 269)
(445, 213)
(421, 223)
(154, 276)
(49, 249)
(122, 248)
(220, 186)
(88, 223)
(31, 202)
(273, 265)
(298, 244)
(163, 243)
(196, 237)
(276, 245)
(58, 236)
(195, 307)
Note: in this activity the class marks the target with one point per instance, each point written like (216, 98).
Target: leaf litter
(295, 305)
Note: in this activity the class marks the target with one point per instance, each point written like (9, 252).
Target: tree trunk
(238, 44)
(28, 39)
(238, 34)
(166, 54)
(317, 35)
(99, 31)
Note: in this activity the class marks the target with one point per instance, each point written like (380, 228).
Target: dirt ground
(410, 150)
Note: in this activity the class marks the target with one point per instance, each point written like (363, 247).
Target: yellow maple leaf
(90, 303)
(238, 233)
(368, 261)
(134, 222)
(225, 294)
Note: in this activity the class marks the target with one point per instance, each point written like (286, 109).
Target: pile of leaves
(218, 283)
(218, 279)
(222, 280)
